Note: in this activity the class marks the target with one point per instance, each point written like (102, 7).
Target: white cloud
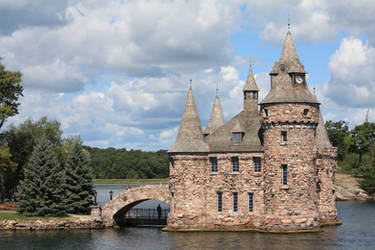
(169, 133)
(137, 38)
(352, 81)
(314, 20)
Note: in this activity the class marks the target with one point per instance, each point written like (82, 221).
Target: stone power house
(271, 168)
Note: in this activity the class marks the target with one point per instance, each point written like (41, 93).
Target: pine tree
(78, 182)
(41, 191)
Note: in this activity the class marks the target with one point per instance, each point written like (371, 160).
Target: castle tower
(216, 118)
(186, 169)
(290, 115)
(250, 93)
(326, 163)
(190, 136)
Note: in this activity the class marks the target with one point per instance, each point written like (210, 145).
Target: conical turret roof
(289, 57)
(322, 139)
(283, 88)
(250, 84)
(190, 136)
(217, 117)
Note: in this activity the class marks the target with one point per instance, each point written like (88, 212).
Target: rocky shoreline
(347, 188)
(50, 224)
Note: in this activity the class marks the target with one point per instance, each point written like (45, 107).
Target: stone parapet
(290, 113)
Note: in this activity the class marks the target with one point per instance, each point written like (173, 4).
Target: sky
(117, 72)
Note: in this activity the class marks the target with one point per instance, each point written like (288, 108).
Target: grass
(132, 181)
(13, 215)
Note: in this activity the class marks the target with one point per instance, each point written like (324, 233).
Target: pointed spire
(289, 52)
(190, 136)
(322, 139)
(217, 117)
(250, 84)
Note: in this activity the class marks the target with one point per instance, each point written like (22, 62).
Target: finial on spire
(314, 91)
(367, 114)
(289, 26)
(191, 82)
(217, 88)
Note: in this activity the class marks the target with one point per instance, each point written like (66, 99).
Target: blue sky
(117, 72)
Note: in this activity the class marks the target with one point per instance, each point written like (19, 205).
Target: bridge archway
(129, 198)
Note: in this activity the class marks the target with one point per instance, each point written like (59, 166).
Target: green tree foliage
(360, 139)
(337, 131)
(21, 140)
(10, 91)
(356, 150)
(41, 191)
(114, 163)
(7, 166)
(78, 182)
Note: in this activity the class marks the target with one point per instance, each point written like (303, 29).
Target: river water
(356, 232)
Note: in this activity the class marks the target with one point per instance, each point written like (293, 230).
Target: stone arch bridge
(124, 201)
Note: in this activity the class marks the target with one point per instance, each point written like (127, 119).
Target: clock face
(299, 79)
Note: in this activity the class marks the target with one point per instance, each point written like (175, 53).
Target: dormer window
(236, 138)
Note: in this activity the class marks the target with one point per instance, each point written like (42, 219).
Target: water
(357, 232)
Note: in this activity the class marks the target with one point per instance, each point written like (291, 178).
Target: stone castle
(267, 168)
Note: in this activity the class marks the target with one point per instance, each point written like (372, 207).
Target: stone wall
(326, 169)
(195, 187)
(292, 206)
(124, 201)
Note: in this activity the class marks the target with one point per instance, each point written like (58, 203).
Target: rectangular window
(305, 112)
(219, 201)
(283, 136)
(235, 164)
(235, 201)
(251, 202)
(284, 174)
(257, 164)
(266, 112)
(213, 163)
(237, 137)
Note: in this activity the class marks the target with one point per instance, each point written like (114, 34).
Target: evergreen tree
(78, 182)
(41, 191)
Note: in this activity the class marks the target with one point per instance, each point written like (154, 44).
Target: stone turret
(326, 163)
(190, 136)
(322, 140)
(217, 117)
(290, 114)
(250, 93)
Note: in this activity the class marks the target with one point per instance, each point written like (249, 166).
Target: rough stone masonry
(271, 167)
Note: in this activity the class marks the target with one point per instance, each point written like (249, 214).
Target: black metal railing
(147, 213)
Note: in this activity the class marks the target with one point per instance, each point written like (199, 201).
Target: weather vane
(289, 26)
(217, 88)
(191, 82)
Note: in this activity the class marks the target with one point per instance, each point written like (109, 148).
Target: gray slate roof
(247, 122)
(283, 89)
(190, 136)
(217, 117)
(250, 84)
(322, 139)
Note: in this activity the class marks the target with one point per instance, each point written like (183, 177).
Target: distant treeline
(111, 163)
